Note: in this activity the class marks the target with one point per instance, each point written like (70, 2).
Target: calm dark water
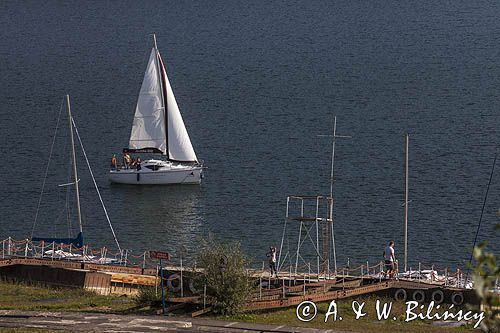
(256, 83)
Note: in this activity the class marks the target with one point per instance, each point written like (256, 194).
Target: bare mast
(406, 202)
(332, 180)
(75, 172)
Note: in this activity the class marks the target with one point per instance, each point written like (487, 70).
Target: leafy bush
(147, 296)
(225, 276)
(485, 274)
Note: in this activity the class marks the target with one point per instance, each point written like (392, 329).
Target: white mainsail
(148, 129)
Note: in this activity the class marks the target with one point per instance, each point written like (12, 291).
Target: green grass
(368, 323)
(17, 296)
(41, 298)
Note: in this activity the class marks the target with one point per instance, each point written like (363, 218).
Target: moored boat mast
(75, 172)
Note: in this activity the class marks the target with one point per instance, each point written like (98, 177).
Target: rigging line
(482, 211)
(47, 169)
(95, 184)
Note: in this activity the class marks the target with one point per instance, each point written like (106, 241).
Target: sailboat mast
(333, 155)
(406, 202)
(75, 172)
(163, 93)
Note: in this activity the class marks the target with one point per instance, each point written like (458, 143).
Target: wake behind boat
(158, 128)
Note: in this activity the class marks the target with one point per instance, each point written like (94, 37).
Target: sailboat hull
(155, 172)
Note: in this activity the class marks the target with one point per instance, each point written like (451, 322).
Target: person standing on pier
(390, 259)
(272, 261)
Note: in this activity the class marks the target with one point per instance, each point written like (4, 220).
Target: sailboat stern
(76, 242)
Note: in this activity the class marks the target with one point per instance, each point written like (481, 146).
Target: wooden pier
(286, 291)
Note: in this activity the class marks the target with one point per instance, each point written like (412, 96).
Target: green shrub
(147, 296)
(485, 274)
(225, 276)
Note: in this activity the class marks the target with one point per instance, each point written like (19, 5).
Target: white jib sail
(148, 129)
(179, 144)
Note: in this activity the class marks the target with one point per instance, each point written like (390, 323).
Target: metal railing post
(380, 274)
(182, 286)
(260, 287)
(204, 296)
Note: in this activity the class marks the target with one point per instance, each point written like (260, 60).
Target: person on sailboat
(138, 163)
(390, 259)
(114, 163)
(126, 160)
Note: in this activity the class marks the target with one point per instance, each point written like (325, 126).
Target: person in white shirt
(390, 259)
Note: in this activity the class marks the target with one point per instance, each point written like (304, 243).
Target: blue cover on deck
(77, 242)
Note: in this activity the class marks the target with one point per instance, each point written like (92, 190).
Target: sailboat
(158, 128)
(78, 241)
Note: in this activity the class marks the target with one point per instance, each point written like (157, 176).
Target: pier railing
(424, 273)
(26, 248)
(57, 251)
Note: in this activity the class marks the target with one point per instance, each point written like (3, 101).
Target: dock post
(162, 288)
(182, 286)
(53, 249)
(156, 280)
(327, 268)
(260, 287)
(10, 247)
(367, 268)
(304, 284)
(144, 260)
(26, 249)
(380, 274)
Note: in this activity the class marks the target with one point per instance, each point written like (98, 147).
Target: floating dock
(286, 291)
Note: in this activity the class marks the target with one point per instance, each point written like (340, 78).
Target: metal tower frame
(315, 233)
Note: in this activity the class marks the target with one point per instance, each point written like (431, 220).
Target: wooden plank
(189, 299)
(200, 312)
(143, 280)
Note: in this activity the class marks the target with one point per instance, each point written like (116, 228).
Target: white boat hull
(154, 172)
